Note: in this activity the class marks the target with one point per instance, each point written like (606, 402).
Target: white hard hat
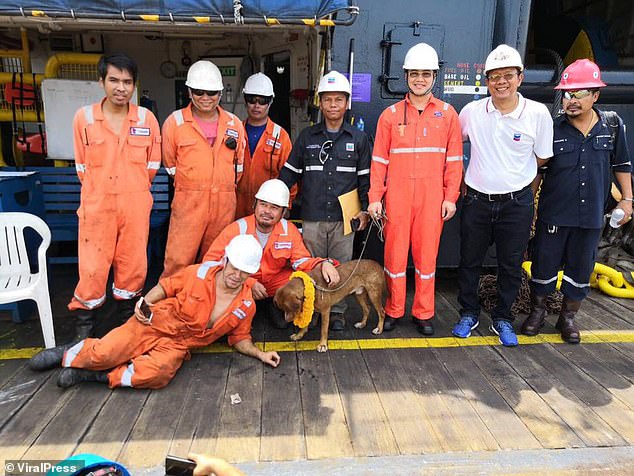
(274, 191)
(504, 56)
(205, 75)
(421, 56)
(245, 253)
(334, 82)
(259, 84)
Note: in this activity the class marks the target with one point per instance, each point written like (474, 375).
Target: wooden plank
(606, 366)
(405, 409)
(508, 429)
(612, 411)
(240, 424)
(65, 429)
(19, 389)
(282, 420)
(582, 419)
(327, 434)
(152, 433)
(106, 439)
(197, 428)
(369, 429)
(20, 433)
(8, 368)
(449, 431)
(545, 424)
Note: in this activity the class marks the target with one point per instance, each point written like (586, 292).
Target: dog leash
(374, 221)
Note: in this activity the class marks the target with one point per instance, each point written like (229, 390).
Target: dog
(367, 282)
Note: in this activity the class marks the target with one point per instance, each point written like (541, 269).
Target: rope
(374, 221)
(487, 290)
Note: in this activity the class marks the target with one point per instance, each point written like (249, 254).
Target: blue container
(22, 192)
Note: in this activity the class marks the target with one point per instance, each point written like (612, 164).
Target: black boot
(70, 376)
(535, 320)
(85, 326)
(566, 322)
(125, 309)
(276, 315)
(49, 358)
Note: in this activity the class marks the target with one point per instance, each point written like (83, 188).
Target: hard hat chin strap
(433, 83)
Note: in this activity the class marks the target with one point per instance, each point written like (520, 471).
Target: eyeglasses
(420, 74)
(324, 152)
(582, 93)
(496, 78)
(261, 100)
(201, 92)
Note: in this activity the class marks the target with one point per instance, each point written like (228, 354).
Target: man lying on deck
(189, 309)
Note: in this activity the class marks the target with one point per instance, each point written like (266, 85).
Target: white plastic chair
(16, 281)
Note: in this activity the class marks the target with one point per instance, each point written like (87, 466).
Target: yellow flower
(303, 318)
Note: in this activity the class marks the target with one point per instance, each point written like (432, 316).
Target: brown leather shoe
(566, 322)
(535, 320)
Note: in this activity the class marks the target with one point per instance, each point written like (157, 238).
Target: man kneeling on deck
(191, 308)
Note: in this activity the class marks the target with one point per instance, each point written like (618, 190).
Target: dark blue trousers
(563, 247)
(483, 222)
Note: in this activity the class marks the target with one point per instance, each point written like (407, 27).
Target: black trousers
(505, 222)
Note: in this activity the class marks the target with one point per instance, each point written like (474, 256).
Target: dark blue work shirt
(577, 179)
(328, 165)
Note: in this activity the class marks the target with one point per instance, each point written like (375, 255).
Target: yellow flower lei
(303, 318)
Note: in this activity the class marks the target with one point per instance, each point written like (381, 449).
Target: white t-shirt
(503, 147)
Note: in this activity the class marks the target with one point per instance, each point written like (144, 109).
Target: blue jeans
(506, 223)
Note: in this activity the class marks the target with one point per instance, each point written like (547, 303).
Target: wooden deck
(388, 396)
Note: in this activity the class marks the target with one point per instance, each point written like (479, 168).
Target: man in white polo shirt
(510, 136)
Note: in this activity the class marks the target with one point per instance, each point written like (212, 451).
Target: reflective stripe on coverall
(269, 157)
(148, 356)
(415, 167)
(284, 252)
(205, 180)
(116, 171)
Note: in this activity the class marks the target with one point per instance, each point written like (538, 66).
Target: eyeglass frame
(508, 77)
(326, 147)
(202, 92)
(256, 98)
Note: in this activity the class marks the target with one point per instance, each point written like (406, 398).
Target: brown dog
(367, 281)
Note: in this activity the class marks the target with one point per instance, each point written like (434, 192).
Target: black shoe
(390, 323)
(125, 310)
(337, 321)
(277, 317)
(85, 326)
(49, 358)
(424, 326)
(69, 377)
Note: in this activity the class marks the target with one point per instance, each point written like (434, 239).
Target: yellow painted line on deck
(587, 337)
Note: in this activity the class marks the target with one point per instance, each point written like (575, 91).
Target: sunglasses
(582, 93)
(201, 92)
(261, 100)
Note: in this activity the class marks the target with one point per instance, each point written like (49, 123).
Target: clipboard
(350, 206)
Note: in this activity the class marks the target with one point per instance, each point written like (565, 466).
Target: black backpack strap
(612, 119)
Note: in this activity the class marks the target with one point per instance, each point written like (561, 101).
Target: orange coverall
(116, 171)
(270, 155)
(416, 165)
(284, 252)
(205, 181)
(148, 356)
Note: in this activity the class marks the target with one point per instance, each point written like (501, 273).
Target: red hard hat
(582, 74)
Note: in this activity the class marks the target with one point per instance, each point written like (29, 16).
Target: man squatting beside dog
(283, 248)
(192, 308)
